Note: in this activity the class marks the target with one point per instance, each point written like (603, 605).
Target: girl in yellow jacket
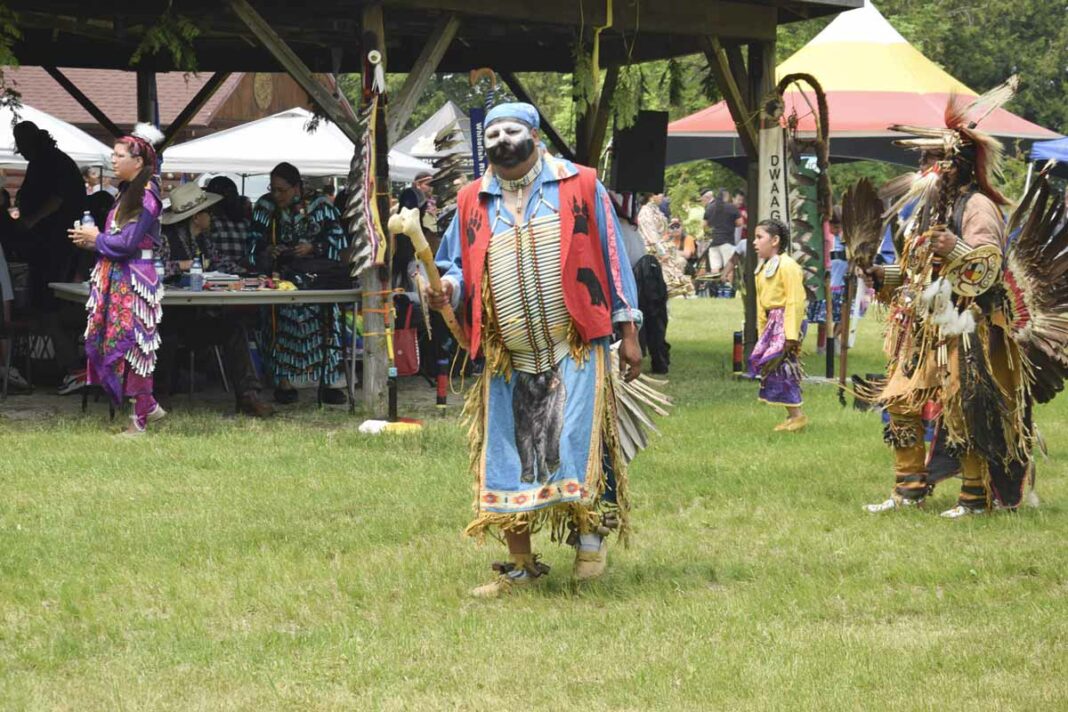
(781, 321)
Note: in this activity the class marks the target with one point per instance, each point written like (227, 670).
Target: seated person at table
(289, 227)
(185, 229)
(229, 227)
(186, 225)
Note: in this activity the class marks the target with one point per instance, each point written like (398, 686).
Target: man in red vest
(536, 257)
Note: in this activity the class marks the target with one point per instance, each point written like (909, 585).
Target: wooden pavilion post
(375, 281)
(146, 97)
(761, 84)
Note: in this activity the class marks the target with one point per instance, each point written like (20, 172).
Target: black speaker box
(638, 154)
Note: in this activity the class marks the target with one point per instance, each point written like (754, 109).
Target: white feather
(149, 133)
(938, 299)
(932, 292)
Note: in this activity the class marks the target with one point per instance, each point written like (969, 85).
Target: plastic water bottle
(161, 272)
(87, 219)
(196, 276)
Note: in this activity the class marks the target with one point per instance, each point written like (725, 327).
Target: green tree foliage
(174, 34)
(9, 34)
(981, 42)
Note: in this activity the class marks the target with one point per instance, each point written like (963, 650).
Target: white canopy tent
(258, 146)
(420, 142)
(80, 146)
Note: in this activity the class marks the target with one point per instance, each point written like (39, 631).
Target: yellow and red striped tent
(872, 77)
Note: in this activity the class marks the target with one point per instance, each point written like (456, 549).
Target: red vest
(582, 268)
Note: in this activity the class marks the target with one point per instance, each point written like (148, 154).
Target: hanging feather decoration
(633, 399)
(450, 163)
(806, 228)
(810, 202)
(921, 191)
(862, 223)
(361, 210)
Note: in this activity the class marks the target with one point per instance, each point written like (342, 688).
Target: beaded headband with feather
(143, 141)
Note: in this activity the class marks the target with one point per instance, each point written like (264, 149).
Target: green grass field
(230, 564)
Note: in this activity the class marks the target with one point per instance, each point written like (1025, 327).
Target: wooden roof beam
(193, 107)
(740, 109)
(295, 67)
(547, 128)
(403, 104)
(85, 102)
(727, 18)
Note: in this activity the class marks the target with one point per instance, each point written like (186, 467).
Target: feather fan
(862, 223)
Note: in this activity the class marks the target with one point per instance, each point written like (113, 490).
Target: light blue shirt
(545, 200)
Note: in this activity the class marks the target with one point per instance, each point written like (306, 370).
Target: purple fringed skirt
(121, 336)
(781, 386)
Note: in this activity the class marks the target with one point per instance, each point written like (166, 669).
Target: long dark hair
(133, 195)
(779, 229)
(289, 173)
(231, 205)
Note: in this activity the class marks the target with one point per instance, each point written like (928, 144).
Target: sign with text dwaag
(774, 189)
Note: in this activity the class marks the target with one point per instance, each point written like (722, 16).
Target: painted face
(767, 245)
(509, 143)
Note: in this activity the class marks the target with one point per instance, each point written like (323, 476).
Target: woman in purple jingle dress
(124, 292)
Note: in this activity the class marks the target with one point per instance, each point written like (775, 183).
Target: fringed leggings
(912, 480)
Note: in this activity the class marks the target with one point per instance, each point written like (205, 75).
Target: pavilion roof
(508, 35)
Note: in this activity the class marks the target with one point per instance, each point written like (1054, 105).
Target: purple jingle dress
(780, 318)
(124, 302)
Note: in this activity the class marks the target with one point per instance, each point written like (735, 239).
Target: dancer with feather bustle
(959, 340)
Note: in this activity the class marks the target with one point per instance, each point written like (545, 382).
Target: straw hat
(187, 200)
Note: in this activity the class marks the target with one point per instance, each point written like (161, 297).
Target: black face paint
(510, 155)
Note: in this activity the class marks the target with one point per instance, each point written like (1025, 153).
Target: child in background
(781, 321)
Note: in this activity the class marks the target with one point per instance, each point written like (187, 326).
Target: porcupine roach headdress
(960, 142)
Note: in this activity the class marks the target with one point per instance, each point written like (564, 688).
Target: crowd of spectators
(290, 233)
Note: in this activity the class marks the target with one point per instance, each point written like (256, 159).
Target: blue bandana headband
(514, 110)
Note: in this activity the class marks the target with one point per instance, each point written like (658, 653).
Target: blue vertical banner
(478, 142)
